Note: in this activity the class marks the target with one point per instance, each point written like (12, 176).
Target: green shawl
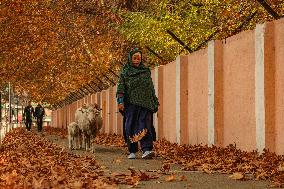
(135, 85)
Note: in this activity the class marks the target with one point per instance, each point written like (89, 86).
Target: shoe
(147, 155)
(132, 156)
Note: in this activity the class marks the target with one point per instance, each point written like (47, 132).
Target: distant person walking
(39, 114)
(28, 116)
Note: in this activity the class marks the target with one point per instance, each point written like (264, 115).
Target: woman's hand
(121, 107)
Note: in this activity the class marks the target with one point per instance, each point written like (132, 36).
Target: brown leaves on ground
(110, 140)
(229, 160)
(56, 131)
(118, 160)
(237, 176)
(29, 161)
(171, 178)
(132, 178)
(166, 167)
(183, 178)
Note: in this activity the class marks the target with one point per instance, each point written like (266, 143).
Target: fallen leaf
(134, 185)
(77, 184)
(261, 176)
(143, 176)
(133, 172)
(237, 176)
(118, 161)
(183, 178)
(207, 171)
(171, 178)
(37, 184)
(166, 167)
(281, 168)
(118, 174)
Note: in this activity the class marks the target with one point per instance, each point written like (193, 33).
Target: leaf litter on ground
(229, 160)
(28, 160)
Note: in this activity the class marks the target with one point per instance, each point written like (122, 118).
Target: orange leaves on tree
(40, 46)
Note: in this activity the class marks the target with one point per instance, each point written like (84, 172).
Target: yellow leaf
(207, 171)
(237, 176)
(171, 178)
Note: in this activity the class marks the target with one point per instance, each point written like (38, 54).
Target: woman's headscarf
(135, 81)
(131, 53)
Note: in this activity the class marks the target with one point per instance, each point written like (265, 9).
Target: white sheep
(89, 122)
(80, 111)
(82, 118)
(96, 122)
(73, 135)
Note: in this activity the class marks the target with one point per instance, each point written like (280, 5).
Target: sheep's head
(95, 106)
(84, 108)
(91, 112)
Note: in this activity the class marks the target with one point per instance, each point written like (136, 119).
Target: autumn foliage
(52, 48)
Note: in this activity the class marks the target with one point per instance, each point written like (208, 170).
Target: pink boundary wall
(219, 95)
(239, 91)
(278, 100)
(169, 103)
(197, 97)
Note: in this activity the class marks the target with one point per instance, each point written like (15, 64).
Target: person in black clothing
(39, 113)
(28, 115)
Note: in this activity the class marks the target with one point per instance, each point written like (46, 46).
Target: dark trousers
(39, 123)
(28, 124)
(138, 118)
(146, 144)
(124, 131)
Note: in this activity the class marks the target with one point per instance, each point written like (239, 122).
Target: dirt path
(114, 160)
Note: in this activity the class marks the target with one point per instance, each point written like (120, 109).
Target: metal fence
(11, 110)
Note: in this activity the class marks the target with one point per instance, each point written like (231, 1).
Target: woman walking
(136, 98)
